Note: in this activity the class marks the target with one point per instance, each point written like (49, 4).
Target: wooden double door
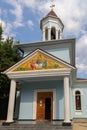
(44, 106)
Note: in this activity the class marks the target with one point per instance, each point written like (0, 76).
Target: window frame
(78, 112)
(78, 103)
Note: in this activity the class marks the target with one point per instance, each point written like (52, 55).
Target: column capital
(66, 76)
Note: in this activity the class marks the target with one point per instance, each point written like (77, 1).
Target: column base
(66, 123)
(8, 122)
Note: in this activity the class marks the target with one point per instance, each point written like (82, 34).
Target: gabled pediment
(38, 60)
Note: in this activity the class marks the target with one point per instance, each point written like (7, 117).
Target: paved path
(80, 124)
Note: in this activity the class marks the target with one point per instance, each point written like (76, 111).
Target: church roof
(52, 13)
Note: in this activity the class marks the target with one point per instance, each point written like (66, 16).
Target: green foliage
(1, 31)
(4, 86)
(9, 55)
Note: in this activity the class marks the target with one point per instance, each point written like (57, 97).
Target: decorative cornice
(39, 73)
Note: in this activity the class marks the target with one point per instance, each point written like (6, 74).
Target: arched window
(46, 33)
(78, 100)
(53, 33)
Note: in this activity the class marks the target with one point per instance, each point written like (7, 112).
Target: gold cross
(52, 6)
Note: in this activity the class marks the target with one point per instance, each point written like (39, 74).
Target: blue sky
(21, 19)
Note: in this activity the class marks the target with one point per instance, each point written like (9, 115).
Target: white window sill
(78, 112)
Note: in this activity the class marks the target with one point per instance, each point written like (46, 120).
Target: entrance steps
(37, 126)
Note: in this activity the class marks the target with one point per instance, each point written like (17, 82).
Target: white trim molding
(39, 73)
(35, 101)
(77, 89)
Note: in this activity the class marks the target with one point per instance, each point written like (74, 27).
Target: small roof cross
(52, 6)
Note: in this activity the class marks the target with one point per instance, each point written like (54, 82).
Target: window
(78, 100)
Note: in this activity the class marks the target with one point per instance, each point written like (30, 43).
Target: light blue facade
(27, 97)
(62, 53)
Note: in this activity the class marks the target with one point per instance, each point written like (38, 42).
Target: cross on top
(52, 6)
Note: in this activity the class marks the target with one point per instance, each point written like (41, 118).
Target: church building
(44, 85)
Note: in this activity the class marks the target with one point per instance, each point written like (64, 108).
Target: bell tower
(51, 26)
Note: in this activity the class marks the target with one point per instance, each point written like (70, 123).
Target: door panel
(44, 105)
(40, 108)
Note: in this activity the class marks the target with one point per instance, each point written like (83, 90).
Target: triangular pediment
(38, 60)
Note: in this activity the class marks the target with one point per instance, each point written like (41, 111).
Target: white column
(60, 35)
(66, 101)
(49, 33)
(11, 101)
(43, 35)
(56, 34)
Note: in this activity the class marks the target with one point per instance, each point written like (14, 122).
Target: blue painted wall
(62, 53)
(27, 97)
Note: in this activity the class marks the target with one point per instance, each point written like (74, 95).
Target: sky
(21, 20)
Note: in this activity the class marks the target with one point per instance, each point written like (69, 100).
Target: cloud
(30, 24)
(17, 11)
(28, 3)
(81, 54)
(7, 27)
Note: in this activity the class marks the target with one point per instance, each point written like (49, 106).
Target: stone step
(35, 127)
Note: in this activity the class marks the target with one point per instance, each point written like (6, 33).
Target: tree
(9, 55)
(1, 31)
